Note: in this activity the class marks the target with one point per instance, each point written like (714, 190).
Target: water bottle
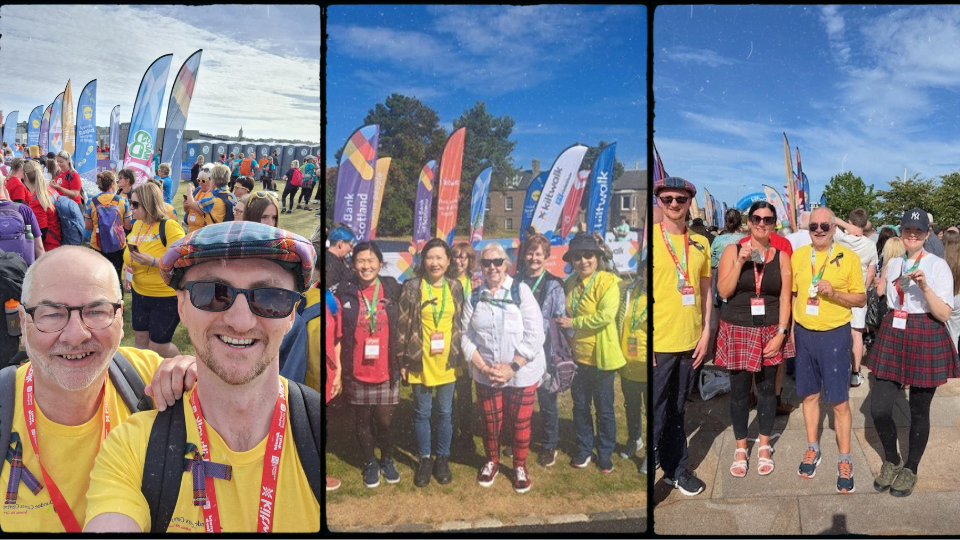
(28, 251)
(13, 318)
(29, 234)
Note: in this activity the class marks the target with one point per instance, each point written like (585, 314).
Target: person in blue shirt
(309, 170)
(169, 186)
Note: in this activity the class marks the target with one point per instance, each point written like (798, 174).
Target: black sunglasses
(767, 220)
(577, 255)
(487, 263)
(825, 227)
(668, 199)
(267, 302)
(135, 204)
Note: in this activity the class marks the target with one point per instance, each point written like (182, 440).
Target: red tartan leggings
(515, 405)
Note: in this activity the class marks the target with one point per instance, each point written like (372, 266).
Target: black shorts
(159, 315)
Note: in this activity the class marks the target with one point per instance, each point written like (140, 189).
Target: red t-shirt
(777, 241)
(69, 180)
(16, 190)
(53, 221)
(332, 335)
(371, 370)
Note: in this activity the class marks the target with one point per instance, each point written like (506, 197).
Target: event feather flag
(145, 117)
(448, 190)
(355, 176)
(601, 188)
(85, 157)
(803, 202)
(177, 108)
(379, 185)
(10, 128)
(33, 126)
(44, 140)
(791, 185)
(530, 202)
(708, 208)
(69, 123)
(774, 198)
(659, 173)
(422, 207)
(556, 189)
(114, 137)
(823, 199)
(571, 208)
(56, 125)
(695, 208)
(478, 204)
(717, 213)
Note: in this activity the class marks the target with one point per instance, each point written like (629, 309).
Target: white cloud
(696, 56)
(834, 25)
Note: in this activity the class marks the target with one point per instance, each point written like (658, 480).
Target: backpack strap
(128, 384)
(8, 401)
(305, 406)
(163, 231)
(163, 465)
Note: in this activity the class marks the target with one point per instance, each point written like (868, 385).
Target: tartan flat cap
(240, 240)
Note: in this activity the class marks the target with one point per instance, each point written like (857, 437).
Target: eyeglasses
(135, 204)
(576, 256)
(767, 220)
(54, 317)
(487, 263)
(825, 227)
(266, 302)
(668, 199)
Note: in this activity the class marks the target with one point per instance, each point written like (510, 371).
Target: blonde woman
(67, 181)
(51, 170)
(262, 207)
(205, 205)
(41, 202)
(155, 316)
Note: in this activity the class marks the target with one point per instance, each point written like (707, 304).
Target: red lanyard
(64, 512)
(758, 276)
(271, 466)
(896, 282)
(686, 254)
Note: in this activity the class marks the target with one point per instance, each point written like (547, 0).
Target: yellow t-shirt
(314, 364)
(118, 473)
(636, 368)
(123, 208)
(844, 275)
(68, 455)
(146, 279)
(436, 370)
(197, 220)
(677, 328)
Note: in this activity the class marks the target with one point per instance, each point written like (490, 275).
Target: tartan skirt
(361, 393)
(741, 347)
(921, 355)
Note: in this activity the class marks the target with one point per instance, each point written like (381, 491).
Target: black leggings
(740, 382)
(883, 394)
(366, 416)
(291, 190)
(305, 194)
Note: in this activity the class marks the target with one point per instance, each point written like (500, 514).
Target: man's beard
(71, 379)
(233, 378)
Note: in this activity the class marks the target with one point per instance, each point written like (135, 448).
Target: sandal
(765, 465)
(739, 467)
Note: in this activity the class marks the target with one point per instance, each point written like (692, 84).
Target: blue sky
(260, 67)
(869, 89)
(566, 74)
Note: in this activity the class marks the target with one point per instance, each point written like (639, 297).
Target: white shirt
(953, 323)
(799, 239)
(938, 276)
(862, 246)
(500, 330)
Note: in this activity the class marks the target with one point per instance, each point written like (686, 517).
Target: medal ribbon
(896, 283)
(271, 466)
(60, 504)
(372, 307)
(681, 268)
(816, 276)
(758, 276)
(583, 292)
(634, 320)
(537, 282)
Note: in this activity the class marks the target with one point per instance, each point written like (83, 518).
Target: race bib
(757, 307)
(899, 319)
(813, 306)
(371, 349)
(688, 298)
(193, 217)
(633, 348)
(436, 343)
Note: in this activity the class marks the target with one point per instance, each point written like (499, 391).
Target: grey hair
(833, 217)
(71, 252)
(220, 175)
(493, 246)
(66, 156)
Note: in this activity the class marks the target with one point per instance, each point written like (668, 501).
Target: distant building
(631, 196)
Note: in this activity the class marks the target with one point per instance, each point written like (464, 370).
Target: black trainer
(687, 483)
(424, 472)
(441, 470)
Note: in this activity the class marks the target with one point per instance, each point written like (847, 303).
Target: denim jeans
(591, 384)
(550, 417)
(423, 407)
(634, 401)
(672, 379)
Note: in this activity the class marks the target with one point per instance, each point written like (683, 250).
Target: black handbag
(876, 309)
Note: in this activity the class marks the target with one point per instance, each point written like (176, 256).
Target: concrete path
(785, 503)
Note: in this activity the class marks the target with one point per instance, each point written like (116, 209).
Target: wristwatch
(782, 331)
(515, 366)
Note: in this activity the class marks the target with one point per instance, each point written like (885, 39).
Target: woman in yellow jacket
(593, 298)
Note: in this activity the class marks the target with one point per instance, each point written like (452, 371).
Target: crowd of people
(896, 289)
(484, 347)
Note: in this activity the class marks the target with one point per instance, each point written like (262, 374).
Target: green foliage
(914, 192)
(945, 203)
(591, 156)
(846, 192)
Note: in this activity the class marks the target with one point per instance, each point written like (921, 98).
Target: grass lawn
(559, 489)
(301, 222)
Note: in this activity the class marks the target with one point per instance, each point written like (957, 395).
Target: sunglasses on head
(767, 220)
(258, 195)
(668, 199)
(825, 227)
(487, 263)
(266, 302)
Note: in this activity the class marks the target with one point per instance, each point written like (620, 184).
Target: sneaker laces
(488, 469)
(809, 456)
(521, 475)
(846, 469)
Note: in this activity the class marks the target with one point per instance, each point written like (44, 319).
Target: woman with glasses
(503, 343)
(752, 339)
(262, 207)
(592, 300)
(914, 348)
(370, 372)
(154, 315)
(462, 267)
(429, 350)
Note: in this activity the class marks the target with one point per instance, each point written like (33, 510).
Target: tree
(945, 203)
(846, 192)
(410, 133)
(914, 192)
(591, 156)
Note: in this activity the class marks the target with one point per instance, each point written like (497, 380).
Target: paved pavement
(785, 503)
